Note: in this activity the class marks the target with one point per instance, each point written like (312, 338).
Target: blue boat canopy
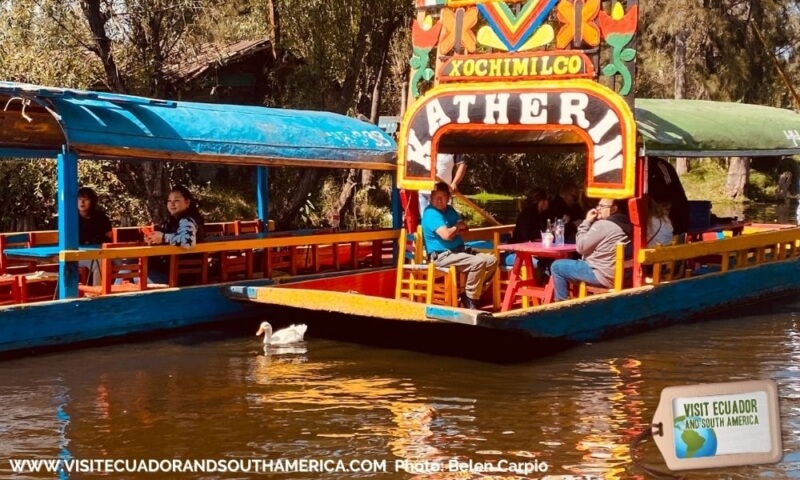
(39, 121)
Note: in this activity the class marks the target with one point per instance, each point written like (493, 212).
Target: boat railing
(254, 241)
(723, 254)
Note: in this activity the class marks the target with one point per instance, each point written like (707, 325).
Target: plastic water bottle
(559, 233)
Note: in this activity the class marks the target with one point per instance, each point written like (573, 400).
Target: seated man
(597, 239)
(441, 228)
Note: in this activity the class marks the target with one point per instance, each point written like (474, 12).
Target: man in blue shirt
(441, 229)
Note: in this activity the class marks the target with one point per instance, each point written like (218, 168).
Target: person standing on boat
(441, 229)
(597, 239)
(183, 228)
(446, 163)
(94, 228)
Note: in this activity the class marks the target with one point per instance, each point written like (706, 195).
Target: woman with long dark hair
(184, 228)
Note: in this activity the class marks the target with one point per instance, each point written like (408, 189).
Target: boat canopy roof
(700, 128)
(38, 121)
(668, 128)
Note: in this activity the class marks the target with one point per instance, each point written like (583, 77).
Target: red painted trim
(374, 284)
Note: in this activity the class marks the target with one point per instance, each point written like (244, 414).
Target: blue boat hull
(598, 318)
(64, 323)
(67, 322)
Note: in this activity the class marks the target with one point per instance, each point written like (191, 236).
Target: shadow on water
(464, 341)
(433, 338)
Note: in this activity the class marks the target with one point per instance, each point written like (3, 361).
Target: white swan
(285, 336)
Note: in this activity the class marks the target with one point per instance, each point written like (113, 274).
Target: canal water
(216, 396)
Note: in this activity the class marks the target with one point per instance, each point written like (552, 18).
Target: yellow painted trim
(344, 302)
(486, 233)
(289, 241)
(739, 244)
(611, 98)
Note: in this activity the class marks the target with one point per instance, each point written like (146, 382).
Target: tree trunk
(679, 61)
(365, 26)
(784, 183)
(102, 44)
(738, 177)
(348, 191)
(308, 180)
(155, 189)
(275, 25)
(682, 165)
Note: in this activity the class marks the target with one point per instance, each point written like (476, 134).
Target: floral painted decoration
(424, 36)
(618, 30)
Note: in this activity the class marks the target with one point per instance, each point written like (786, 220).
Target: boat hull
(585, 320)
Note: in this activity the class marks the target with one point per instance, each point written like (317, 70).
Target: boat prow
(310, 296)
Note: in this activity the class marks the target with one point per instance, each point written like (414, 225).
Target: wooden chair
(672, 270)
(420, 280)
(9, 290)
(621, 266)
(11, 266)
(133, 276)
(239, 262)
(36, 239)
(38, 286)
(282, 258)
(130, 234)
(214, 230)
(193, 265)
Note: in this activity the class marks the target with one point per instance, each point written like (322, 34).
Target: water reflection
(389, 410)
(612, 421)
(225, 398)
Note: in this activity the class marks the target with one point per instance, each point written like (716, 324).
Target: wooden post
(262, 195)
(67, 165)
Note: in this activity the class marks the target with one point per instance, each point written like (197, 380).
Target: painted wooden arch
(599, 117)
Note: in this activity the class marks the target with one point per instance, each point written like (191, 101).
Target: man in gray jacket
(597, 239)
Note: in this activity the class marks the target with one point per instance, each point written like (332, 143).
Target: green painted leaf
(627, 55)
(427, 74)
(609, 70)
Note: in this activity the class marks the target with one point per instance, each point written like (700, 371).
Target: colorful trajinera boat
(540, 89)
(558, 76)
(66, 124)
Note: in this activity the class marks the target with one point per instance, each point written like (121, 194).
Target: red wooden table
(525, 253)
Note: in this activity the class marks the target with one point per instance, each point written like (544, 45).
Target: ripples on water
(215, 395)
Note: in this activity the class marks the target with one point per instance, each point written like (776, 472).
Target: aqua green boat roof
(700, 128)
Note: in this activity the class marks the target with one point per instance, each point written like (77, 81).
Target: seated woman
(183, 228)
(94, 228)
(659, 226)
(531, 222)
